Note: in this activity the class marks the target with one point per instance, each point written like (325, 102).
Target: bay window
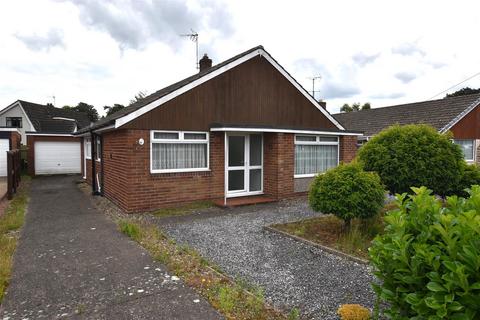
(468, 148)
(315, 154)
(178, 151)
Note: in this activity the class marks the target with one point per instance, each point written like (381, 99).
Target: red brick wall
(129, 183)
(15, 140)
(348, 148)
(31, 148)
(278, 165)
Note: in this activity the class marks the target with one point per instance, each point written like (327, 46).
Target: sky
(105, 52)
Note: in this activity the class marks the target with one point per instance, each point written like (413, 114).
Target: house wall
(253, 93)
(31, 148)
(278, 165)
(17, 111)
(129, 183)
(468, 127)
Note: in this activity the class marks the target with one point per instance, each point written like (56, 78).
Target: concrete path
(72, 263)
(293, 274)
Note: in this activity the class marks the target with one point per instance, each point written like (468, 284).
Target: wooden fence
(14, 169)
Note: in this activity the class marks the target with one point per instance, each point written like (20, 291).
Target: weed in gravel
(294, 314)
(130, 229)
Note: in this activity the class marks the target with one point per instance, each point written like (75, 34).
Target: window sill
(179, 171)
(311, 175)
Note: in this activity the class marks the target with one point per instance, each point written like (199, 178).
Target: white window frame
(88, 148)
(474, 146)
(180, 140)
(317, 142)
(97, 154)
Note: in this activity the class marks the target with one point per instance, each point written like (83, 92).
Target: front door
(244, 164)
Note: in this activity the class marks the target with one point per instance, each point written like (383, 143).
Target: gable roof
(48, 119)
(156, 99)
(442, 114)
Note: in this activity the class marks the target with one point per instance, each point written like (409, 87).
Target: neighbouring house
(460, 115)
(48, 133)
(241, 128)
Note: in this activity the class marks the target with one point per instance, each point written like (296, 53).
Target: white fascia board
(10, 130)
(108, 128)
(462, 115)
(329, 133)
(131, 116)
(49, 134)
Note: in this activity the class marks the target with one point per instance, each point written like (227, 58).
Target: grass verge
(330, 231)
(10, 222)
(183, 210)
(235, 300)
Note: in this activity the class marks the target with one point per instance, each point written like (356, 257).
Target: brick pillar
(348, 148)
(278, 165)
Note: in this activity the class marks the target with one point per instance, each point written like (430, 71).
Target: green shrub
(413, 155)
(428, 259)
(470, 176)
(347, 192)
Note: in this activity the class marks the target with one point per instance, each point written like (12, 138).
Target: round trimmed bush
(470, 177)
(414, 155)
(348, 192)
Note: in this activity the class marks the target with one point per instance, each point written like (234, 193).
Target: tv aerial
(193, 36)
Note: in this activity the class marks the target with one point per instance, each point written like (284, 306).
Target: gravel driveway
(293, 274)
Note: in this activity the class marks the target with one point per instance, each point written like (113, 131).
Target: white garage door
(4, 147)
(57, 157)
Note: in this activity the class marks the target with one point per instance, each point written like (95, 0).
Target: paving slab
(72, 262)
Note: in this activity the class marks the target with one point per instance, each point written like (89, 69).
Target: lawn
(330, 231)
(10, 222)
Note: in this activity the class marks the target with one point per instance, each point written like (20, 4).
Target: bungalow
(241, 128)
(460, 115)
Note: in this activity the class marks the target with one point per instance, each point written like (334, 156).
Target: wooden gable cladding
(469, 126)
(253, 93)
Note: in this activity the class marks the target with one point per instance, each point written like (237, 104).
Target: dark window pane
(195, 136)
(236, 180)
(306, 138)
(165, 135)
(256, 180)
(255, 149)
(236, 151)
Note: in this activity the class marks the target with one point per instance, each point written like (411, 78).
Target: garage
(4, 147)
(57, 157)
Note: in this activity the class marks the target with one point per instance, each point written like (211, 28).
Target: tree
(463, 92)
(90, 110)
(346, 108)
(414, 156)
(139, 96)
(355, 107)
(112, 109)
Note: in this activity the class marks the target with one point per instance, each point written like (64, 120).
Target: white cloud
(104, 52)
(53, 38)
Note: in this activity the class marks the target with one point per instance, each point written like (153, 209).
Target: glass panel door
(255, 176)
(244, 167)
(236, 163)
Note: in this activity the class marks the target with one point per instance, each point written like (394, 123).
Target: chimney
(323, 104)
(205, 63)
